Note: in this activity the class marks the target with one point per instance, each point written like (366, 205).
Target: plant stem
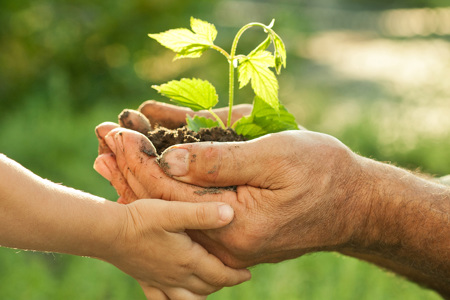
(230, 92)
(220, 50)
(217, 118)
(231, 59)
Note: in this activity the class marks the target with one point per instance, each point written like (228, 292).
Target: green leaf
(187, 43)
(248, 128)
(178, 39)
(197, 123)
(261, 47)
(194, 93)
(204, 29)
(264, 119)
(191, 51)
(255, 67)
(280, 52)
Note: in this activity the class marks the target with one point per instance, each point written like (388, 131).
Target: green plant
(267, 116)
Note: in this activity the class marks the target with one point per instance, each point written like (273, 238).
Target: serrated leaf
(263, 80)
(280, 53)
(196, 123)
(204, 29)
(178, 39)
(191, 51)
(194, 93)
(261, 47)
(264, 119)
(187, 43)
(245, 126)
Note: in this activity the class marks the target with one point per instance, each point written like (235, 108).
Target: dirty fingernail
(148, 148)
(175, 162)
(225, 212)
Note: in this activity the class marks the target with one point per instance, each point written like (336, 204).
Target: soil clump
(162, 138)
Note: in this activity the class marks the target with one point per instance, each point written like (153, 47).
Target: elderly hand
(297, 192)
(290, 196)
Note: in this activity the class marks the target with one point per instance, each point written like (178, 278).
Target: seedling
(268, 115)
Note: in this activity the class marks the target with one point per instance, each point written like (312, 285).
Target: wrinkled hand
(292, 196)
(155, 250)
(149, 114)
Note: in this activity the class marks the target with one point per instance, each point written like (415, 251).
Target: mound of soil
(162, 138)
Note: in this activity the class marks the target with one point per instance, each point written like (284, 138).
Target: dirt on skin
(162, 138)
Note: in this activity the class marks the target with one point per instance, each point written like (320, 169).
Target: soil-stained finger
(167, 115)
(106, 166)
(134, 120)
(135, 156)
(101, 131)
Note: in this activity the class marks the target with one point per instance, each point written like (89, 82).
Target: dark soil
(162, 138)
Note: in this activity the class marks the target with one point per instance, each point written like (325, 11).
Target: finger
(172, 116)
(152, 293)
(238, 112)
(197, 285)
(133, 153)
(180, 216)
(208, 240)
(167, 115)
(177, 293)
(224, 164)
(101, 166)
(134, 120)
(101, 131)
(213, 271)
(106, 166)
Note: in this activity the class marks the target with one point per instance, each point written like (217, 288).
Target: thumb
(220, 164)
(180, 216)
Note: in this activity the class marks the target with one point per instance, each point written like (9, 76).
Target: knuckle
(202, 214)
(221, 279)
(209, 164)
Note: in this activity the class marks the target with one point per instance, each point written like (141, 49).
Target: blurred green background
(372, 73)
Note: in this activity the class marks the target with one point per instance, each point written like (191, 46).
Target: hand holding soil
(297, 192)
(271, 174)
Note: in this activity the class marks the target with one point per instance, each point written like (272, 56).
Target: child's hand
(153, 248)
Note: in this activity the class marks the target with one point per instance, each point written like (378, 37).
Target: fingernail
(175, 162)
(225, 212)
(148, 148)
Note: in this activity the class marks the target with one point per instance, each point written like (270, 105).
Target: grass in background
(56, 86)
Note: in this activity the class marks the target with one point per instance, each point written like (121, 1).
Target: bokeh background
(372, 73)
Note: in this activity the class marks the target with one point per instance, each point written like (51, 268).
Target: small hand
(155, 250)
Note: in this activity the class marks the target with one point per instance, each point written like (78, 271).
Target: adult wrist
(374, 207)
(406, 229)
(395, 204)
(353, 196)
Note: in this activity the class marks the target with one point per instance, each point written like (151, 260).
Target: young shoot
(267, 116)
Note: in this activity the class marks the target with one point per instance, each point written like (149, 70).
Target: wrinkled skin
(268, 205)
(297, 192)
